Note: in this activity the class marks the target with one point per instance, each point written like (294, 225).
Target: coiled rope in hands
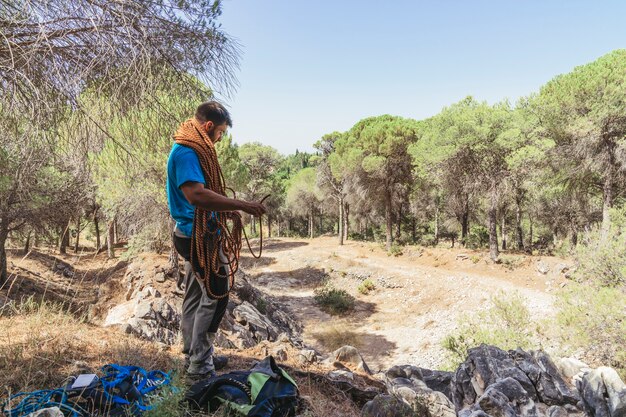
(213, 242)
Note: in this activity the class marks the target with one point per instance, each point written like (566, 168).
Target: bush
(506, 325)
(591, 314)
(366, 287)
(477, 238)
(334, 301)
(604, 260)
(592, 318)
(396, 250)
(510, 262)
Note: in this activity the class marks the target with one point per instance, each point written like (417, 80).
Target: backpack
(266, 390)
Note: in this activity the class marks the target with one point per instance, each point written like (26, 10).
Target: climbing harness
(122, 391)
(211, 235)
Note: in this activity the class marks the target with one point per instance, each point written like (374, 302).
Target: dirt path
(419, 296)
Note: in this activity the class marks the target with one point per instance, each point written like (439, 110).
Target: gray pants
(198, 314)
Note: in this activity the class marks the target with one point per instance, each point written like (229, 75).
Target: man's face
(214, 131)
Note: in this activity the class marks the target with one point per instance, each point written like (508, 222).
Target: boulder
(570, 367)
(384, 405)
(259, 325)
(603, 393)
(349, 355)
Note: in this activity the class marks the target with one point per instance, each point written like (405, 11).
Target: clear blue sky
(312, 67)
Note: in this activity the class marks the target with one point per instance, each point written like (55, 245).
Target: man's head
(214, 118)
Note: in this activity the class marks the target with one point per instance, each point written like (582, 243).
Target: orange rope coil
(211, 231)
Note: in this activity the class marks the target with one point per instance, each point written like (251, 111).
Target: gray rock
(570, 367)
(350, 355)
(384, 405)
(341, 374)
(542, 267)
(557, 411)
(144, 310)
(307, 356)
(496, 404)
(279, 354)
(260, 325)
(159, 277)
(603, 393)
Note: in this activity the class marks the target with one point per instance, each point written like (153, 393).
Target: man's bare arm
(202, 197)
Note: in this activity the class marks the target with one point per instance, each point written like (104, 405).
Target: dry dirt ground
(418, 299)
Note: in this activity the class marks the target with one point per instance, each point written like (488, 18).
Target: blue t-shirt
(183, 166)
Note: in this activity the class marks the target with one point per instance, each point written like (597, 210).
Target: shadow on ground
(301, 278)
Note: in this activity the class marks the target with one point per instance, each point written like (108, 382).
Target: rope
(120, 386)
(211, 232)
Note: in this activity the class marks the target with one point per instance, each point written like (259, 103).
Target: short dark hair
(212, 111)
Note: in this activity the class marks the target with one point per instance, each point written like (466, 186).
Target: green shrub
(261, 305)
(511, 262)
(366, 287)
(475, 259)
(396, 250)
(604, 260)
(592, 318)
(477, 238)
(506, 325)
(333, 301)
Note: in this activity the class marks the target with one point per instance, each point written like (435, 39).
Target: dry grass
(42, 345)
(337, 335)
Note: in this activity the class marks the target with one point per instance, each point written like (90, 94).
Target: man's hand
(256, 209)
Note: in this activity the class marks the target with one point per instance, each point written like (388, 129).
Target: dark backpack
(266, 390)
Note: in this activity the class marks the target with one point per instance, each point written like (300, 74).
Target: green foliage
(478, 237)
(506, 324)
(366, 287)
(603, 260)
(261, 305)
(395, 250)
(334, 301)
(591, 314)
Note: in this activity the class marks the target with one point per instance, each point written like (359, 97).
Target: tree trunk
(340, 223)
(311, 224)
(321, 223)
(115, 236)
(413, 229)
(4, 233)
(574, 239)
(388, 218)
(399, 223)
(27, 244)
(269, 226)
(278, 226)
(503, 230)
(111, 239)
(465, 224)
(530, 233)
(607, 203)
(97, 227)
(436, 225)
(77, 234)
(65, 239)
(493, 223)
(518, 226)
(346, 221)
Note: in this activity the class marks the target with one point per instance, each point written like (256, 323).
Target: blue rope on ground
(121, 386)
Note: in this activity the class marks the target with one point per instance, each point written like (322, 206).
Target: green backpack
(266, 390)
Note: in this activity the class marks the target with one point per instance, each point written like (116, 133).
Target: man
(197, 201)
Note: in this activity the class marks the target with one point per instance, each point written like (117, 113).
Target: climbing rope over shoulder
(212, 236)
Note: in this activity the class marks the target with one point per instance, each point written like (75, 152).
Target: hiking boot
(193, 378)
(220, 362)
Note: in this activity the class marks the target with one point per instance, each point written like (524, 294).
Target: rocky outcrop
(153, 306)
(497, 383)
